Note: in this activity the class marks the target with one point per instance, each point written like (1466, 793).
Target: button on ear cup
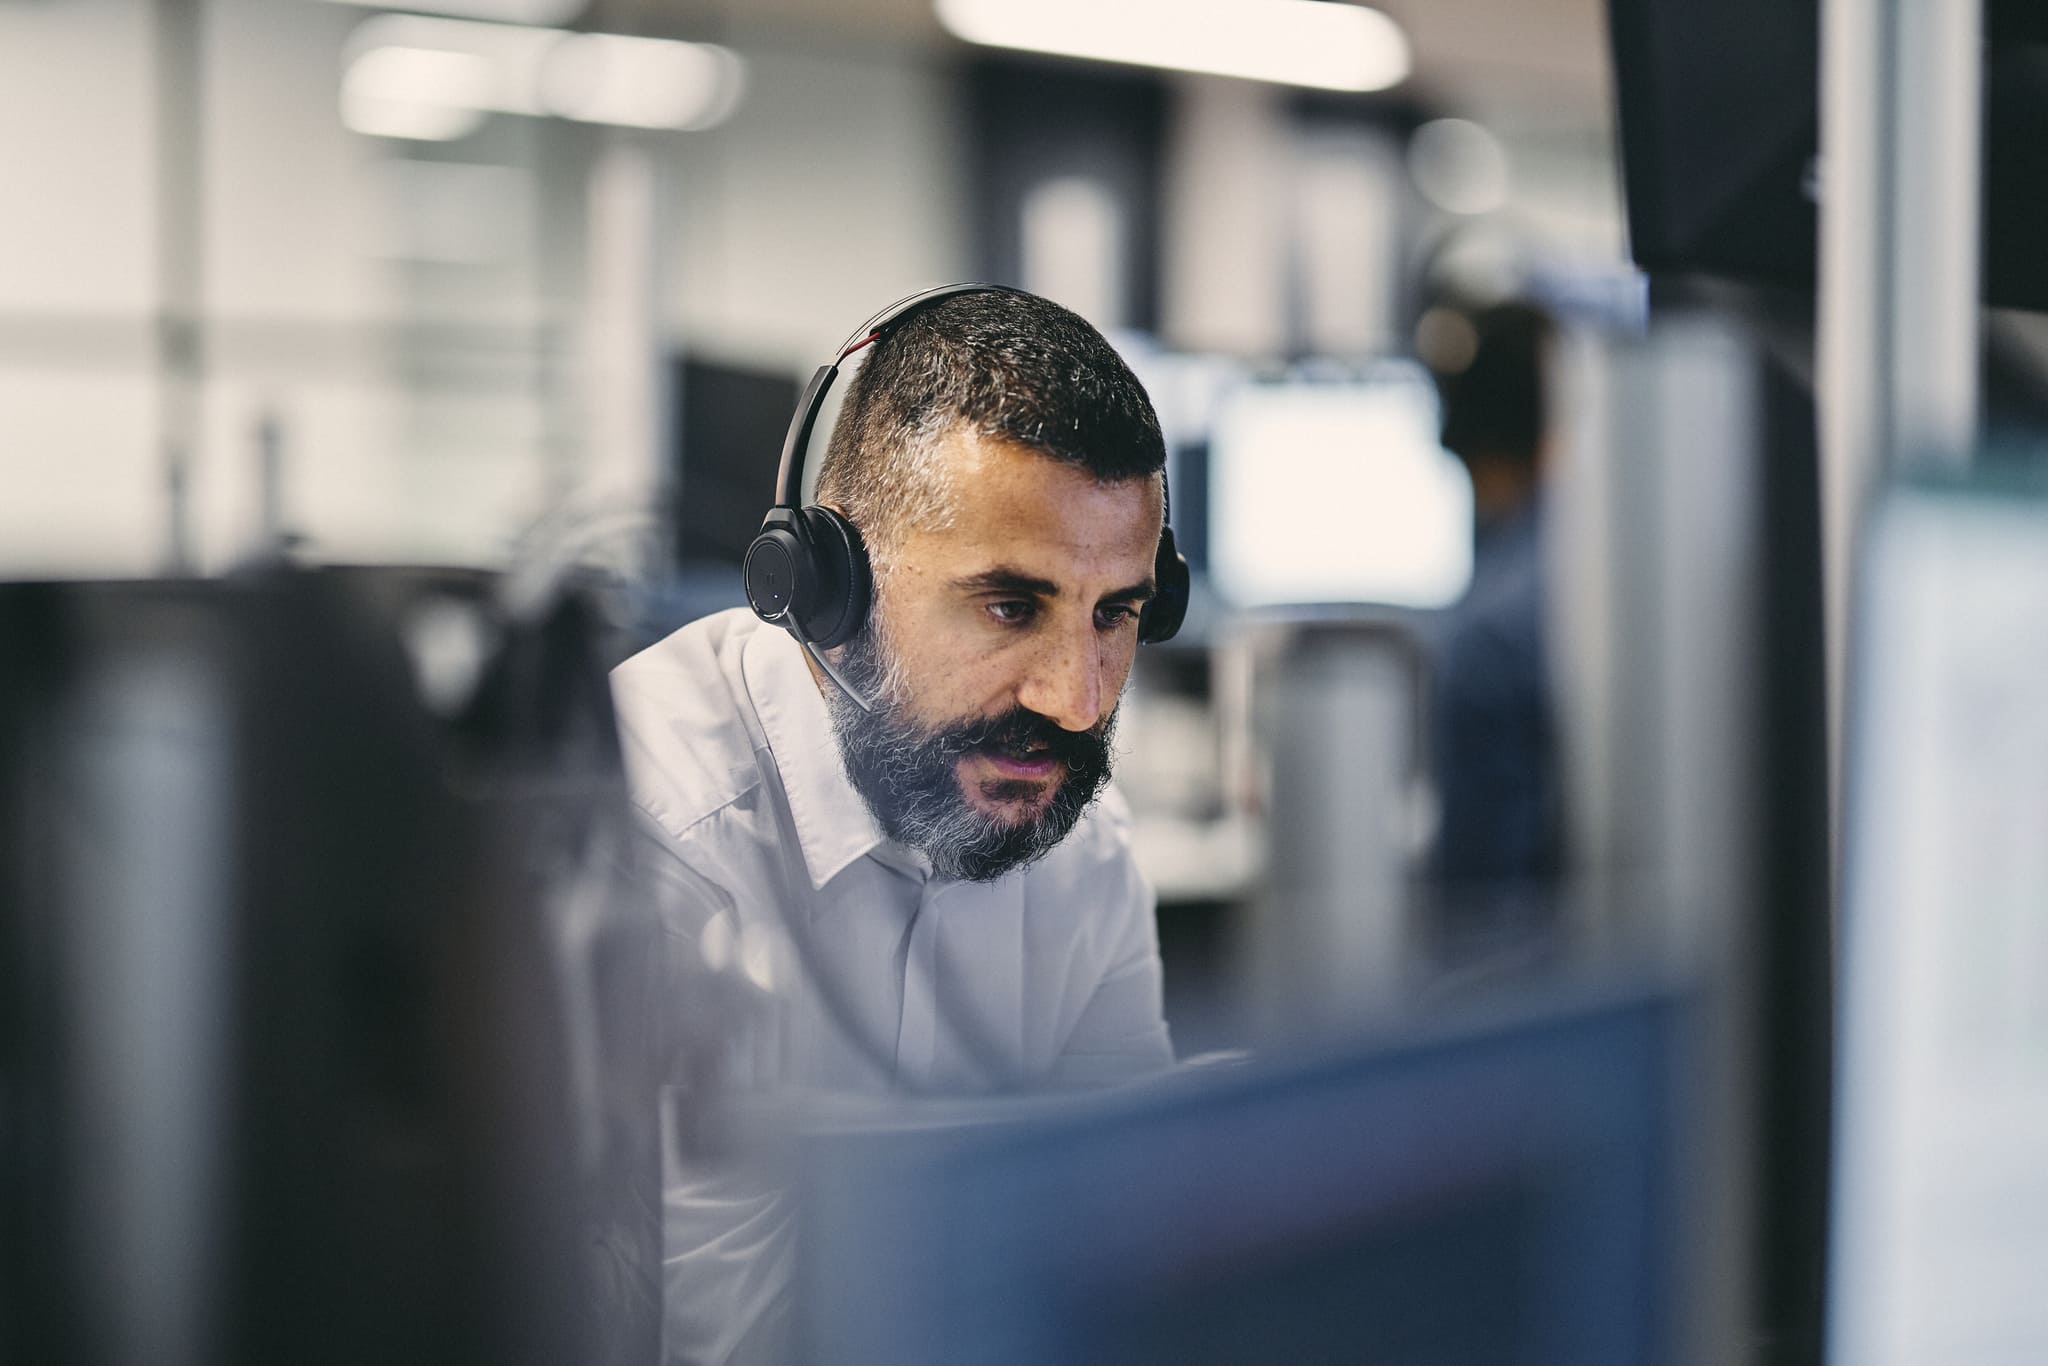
(845, 580)
(777, 576)
(1163, 615)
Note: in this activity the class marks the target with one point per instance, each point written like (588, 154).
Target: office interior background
(457, 301)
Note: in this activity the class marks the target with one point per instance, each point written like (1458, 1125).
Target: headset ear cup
(1162, 617)
(777, 575)
(844, 578)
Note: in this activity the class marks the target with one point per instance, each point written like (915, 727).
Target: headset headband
(790, 477)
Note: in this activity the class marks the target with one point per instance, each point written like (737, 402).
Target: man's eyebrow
(1005, 580)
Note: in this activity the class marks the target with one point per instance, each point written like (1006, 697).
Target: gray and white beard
(907, 774)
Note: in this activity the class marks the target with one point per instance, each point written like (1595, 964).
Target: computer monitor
(1507, 1194)
(730, 422)
(1719, 113)
(1941, 1197)
(1336, 491)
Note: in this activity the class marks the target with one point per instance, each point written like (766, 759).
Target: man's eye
(1109, 616)
(1010, 611)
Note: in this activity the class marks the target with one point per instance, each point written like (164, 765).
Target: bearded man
(928, 836)
(931, 830)
(907, 839)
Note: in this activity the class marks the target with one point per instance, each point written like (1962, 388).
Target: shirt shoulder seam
(687, 828)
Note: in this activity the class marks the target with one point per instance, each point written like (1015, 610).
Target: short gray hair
(1004, 364)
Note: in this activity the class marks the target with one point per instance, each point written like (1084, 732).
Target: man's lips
(1009, 766)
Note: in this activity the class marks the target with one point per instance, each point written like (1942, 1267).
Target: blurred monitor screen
(1337, 491)
(1941, 1197)
(1507, 1194)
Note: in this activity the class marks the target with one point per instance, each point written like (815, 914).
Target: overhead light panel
(433, 79)
(417, 93)
(545, 13)
(1315, 43)
(641, 82)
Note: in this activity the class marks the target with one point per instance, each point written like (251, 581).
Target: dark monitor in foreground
(1719, 115)
(1508, 1195)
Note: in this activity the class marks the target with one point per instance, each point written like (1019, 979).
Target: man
(1498, 847)
(928, 881)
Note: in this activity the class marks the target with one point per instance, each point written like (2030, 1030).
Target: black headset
(807, 570)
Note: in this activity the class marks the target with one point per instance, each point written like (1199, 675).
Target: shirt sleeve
(725, 1234)
(1121, 1034)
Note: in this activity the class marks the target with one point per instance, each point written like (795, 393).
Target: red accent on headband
(868, 340)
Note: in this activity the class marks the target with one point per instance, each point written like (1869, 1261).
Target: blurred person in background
(929, 834)
(1500, 837)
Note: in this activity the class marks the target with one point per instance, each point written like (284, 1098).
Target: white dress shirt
(878, 974)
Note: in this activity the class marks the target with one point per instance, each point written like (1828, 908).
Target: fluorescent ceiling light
(548, 13)
(493, 68)
(1330, 46)
(417, 93)
(415, 77)
(641, 82)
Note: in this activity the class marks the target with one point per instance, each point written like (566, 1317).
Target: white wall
(77, 269)
(431, 410)
(836, 188)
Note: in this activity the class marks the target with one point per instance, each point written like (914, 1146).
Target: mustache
(1023, 733)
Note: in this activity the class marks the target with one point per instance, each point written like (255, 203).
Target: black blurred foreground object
(1522, 1191)
(1720, 134)
(306, 952)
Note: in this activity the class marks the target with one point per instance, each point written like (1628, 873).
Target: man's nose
(1064, 682)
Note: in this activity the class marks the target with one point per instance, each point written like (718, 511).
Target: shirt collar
(833, 824)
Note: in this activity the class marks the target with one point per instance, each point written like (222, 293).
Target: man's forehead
(1009, 478)
(1015, 509)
